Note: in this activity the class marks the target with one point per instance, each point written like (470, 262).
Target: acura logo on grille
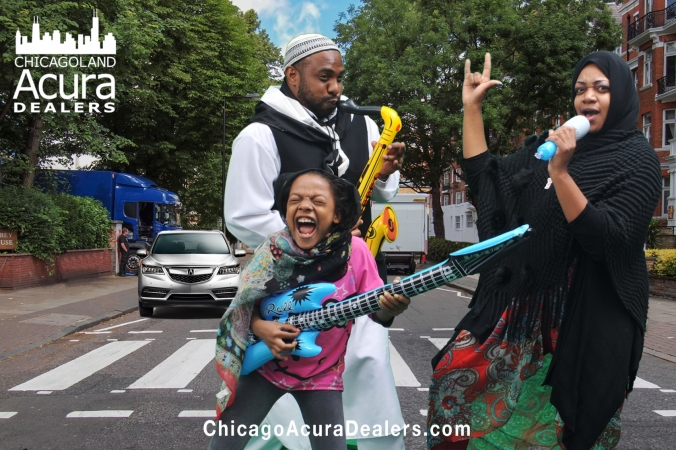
(191, 271)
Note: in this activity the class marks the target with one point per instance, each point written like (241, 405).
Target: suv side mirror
(240, 253)
(142, 252)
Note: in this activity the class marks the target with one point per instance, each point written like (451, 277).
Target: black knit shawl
(619, 173)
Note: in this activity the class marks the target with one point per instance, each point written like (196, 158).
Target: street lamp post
(254, 95)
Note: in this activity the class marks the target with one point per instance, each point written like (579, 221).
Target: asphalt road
(48, 386)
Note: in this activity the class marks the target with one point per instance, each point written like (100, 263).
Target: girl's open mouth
(306, 226)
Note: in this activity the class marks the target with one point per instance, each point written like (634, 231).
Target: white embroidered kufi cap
(305, 45)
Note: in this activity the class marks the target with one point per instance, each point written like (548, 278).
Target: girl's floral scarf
(276, 265)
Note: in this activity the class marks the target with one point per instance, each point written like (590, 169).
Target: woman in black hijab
(551, 346)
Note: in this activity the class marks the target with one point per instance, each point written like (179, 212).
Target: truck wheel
(144, 311)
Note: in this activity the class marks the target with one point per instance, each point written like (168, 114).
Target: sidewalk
(33, 317)
(660, 339)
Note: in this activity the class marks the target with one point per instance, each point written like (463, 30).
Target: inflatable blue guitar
(311, 317)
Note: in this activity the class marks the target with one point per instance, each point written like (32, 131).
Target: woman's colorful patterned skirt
(490, 395)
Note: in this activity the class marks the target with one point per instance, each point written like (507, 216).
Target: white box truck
(412, 212)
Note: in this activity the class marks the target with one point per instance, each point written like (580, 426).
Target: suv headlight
(227, 270)
(151, 269)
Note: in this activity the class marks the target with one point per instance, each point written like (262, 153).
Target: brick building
(649, 47)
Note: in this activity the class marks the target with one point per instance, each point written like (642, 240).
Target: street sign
(8, 240)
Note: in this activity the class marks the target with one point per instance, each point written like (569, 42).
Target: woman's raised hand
(476, 84)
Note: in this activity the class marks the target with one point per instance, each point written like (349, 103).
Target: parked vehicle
(411, 242)
(143, 207)
(188, 268)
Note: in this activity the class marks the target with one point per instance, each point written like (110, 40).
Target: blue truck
(143, 207)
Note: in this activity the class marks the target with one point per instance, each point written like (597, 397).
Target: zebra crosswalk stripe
(80, 368)
(403, 376)
(178, 370)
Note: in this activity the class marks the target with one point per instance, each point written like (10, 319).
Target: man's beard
(315, 104)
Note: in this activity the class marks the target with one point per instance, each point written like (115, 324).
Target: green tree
(27, 138)
(205, 53)
(410, 54)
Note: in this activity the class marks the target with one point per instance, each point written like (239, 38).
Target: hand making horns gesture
(476, 85)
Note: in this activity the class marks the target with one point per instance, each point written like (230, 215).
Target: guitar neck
(338, 313)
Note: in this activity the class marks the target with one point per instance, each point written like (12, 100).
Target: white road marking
(197, 413)
(44, 392)
(112, 340)
(184, 390)
(179, 369)
(150, 339)
(640, 383)
(80, 368)
(424, 337)
(108, 413)
(8, 414)
(666, 413)
(443, 329)
(423, 412)
(457, 292)
(424, 389)
(74, 340)
(396, 329)
(118, 391)
(190, 339)
(438, 342)
(121, 325)
(667, 390)
(403, 377)
(96, 332)
(204, 331)
(144, 332)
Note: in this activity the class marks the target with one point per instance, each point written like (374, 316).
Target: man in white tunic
(298, 126)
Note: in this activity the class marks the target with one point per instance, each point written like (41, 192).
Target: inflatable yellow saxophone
(385, 226)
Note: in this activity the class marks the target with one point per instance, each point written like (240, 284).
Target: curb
(70, 330)
(464, 289)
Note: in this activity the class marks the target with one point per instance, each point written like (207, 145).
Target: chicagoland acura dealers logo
(51, 87)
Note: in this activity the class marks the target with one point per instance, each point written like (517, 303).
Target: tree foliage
(410, 54)
(176, 62)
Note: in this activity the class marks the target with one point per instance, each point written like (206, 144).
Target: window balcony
(664, 19)
(666, 88)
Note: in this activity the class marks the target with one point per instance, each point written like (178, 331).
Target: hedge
(440, 248)
(665, 264)
(51, 224)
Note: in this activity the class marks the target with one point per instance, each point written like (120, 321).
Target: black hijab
(624, 105)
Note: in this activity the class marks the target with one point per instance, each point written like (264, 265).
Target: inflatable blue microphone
(581, 125)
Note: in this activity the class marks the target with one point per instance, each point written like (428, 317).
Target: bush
(665, 264)
(38, 221)
(51, 224)
(85, 224)
(439, 248)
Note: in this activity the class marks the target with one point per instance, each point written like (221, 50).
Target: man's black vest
(303, 147)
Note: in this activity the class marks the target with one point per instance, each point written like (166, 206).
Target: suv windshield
(187, 243)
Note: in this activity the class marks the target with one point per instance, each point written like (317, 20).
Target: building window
(634, 74)
(458, 198)
(470, 221)
(647, 68)
(646, 126)
(447, 178)
(670, 64)
(458, 224)
(648, 4)
(665, 194)
(669, 126)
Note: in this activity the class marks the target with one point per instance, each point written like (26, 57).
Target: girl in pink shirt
(320, 210)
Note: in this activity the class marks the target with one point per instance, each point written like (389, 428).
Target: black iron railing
(666, 84)
(652, 20)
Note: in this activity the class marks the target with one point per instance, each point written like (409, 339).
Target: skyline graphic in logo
(52, 45)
